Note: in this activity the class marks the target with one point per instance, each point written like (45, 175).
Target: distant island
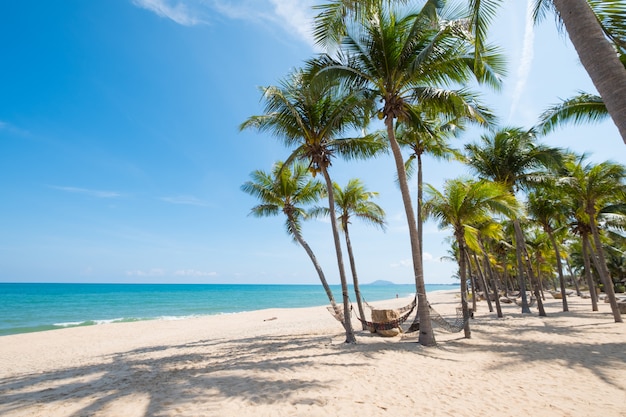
(381, 282)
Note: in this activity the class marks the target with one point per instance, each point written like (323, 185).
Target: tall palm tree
(399, 60)
(465, 202)
(310, 115)
(289, 190)
(595, 27)
(355, 201)
(511, 157)
(592, 186)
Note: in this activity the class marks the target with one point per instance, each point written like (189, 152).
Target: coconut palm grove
(404, 78)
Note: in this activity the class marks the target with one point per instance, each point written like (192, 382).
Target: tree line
(410, 64)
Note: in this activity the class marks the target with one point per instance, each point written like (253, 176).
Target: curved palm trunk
(597, 56)
(355, 279)
(559, 267)
(472, 280)
(494, 280)
(484, 282)
(317, 266)
(350, 338)
(590, 284)
(426, 335)
(604, 272)
(574, 278)
(462, 274)
(519, 242)
(534, 282)
(420, 201)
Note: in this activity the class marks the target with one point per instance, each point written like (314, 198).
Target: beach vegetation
(594, 188)
(406, 61)
(310, 115)
(289, 190)
(511, 157)
(464, 202)
(355, 201)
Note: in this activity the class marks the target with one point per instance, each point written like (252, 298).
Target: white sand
(566, 364)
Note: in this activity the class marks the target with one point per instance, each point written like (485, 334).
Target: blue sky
(121, 159)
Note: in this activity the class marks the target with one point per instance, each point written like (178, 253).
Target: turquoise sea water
(31, 307)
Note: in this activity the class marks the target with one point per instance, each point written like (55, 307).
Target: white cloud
(92, 193)
(179, 12)
(194, 273)
(404, 263)
(154, 272)
(186, 200)
(297, 15)
(526, 60)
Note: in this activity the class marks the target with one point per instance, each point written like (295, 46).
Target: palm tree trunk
(420, 201)
(355, 278)
(426, 335)
(494, 280)
(597, 56)
(604, 271)
(534, 282)
(472, 280)
(462, 275)
(317, 266)
(592, 287)
(519, 242)
(484, 281)
(350, 338)
(574, 278)
(559, 268)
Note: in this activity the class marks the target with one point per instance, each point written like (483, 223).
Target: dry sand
(293, 362)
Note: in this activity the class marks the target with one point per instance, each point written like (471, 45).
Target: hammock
(392, 324)
(453, 327)
(405, 311)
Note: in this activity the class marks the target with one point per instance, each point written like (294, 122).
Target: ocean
(33, 307)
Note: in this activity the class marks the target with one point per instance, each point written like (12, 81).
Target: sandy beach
(293, 362)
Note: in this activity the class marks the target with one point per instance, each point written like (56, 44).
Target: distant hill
(381, 282)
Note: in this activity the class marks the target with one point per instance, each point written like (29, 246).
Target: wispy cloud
(178, 12)
(293, 17)
(297, 16)
(85, 191)
(186, 200)
(194, 273)
(154, 272)
(408, 263)
(8, 127)
(526, 60)
(404, 263)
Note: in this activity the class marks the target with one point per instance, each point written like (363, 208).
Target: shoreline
(26, 308)
(293, 362)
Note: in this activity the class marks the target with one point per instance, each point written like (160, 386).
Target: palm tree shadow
(255, 370)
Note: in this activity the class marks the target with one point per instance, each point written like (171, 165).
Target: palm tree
(355, 201)
(595, 28)
(310, 114)
(548, 210)
(426, 136)
(510, 157)
(399, 59)
(593, 186)
(582, 108)
(465, 202)
(288, 190)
